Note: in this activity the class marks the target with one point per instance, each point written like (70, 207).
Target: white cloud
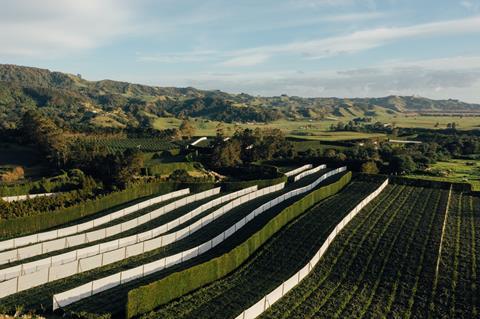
(245, 60)
(471, 5)
(54, 27)
(179, 57)
(442, 78)
(366, 39)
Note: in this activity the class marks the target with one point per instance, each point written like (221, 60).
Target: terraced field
(384, 263)
(275, 262)
(114, 300)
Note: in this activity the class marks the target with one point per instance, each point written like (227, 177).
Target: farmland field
(319, 129)
(383, 264)
(33, 298)
(276, 261)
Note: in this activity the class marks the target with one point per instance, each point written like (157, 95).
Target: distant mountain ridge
(85, 105)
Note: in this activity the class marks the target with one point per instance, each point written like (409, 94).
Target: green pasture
(455, 170)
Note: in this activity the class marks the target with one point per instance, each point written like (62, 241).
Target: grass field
(114, 300)
(319, 129)
(383, 264)
(275, 262)
(455, 170)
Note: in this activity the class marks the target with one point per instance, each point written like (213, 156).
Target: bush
(149, 297)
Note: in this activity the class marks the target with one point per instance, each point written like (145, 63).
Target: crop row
(456, 292)
(275, 262)
(143, 144)
(383, 264)
(35, 297)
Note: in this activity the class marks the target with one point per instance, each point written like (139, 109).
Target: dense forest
(82, 105)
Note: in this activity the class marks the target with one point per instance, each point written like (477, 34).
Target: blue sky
(344, 48)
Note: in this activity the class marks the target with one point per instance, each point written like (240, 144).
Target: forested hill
(80, 104)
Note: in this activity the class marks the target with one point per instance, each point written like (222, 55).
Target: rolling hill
(79, 104)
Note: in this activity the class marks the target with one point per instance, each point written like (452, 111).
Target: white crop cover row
(84, 291)
(66, 231)
(309, 172)
(298, 170)
(70, 263)
(102, 233)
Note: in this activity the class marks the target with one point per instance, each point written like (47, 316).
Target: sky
(312, 48)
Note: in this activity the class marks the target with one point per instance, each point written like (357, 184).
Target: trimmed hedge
(42, 221)
(151, 296)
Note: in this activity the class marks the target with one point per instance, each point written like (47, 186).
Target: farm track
(275, 262)
(113, 300)
(383, 263)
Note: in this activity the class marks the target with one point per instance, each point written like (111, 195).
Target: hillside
(85, 105)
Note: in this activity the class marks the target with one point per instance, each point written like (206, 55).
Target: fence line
(267, 301)
(35, 273)
(309, 172)
(84, 291)
(69, 257)
(298, 170)
(66, 231)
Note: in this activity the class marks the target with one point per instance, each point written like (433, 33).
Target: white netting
(171, 260)
(66, 231)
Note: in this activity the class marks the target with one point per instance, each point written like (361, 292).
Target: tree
(47, 136)
(369, 167)
(330, 153)
(127, 166)
(402, 164)
(226, 154)
(220, 131)
(187, 129)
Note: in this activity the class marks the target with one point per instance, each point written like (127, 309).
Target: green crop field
(39, 297)
(275, 262)
(383, 264)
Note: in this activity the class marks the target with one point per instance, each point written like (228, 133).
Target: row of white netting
(85, 259)
(309, 172)
(267, 301)
(101, 233)
(78, 228)
(298, 170)
(25, 197)
(58, 262)
(65, 298)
